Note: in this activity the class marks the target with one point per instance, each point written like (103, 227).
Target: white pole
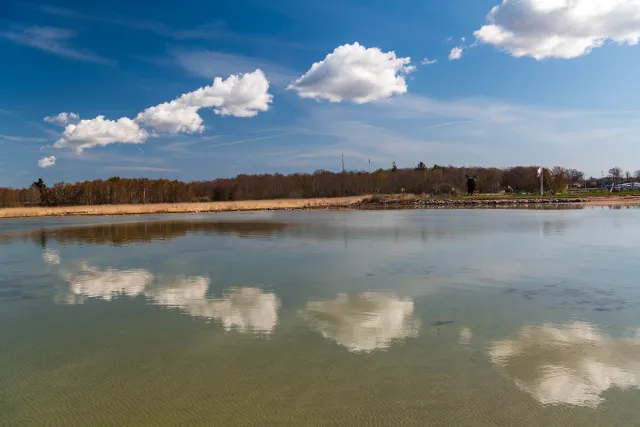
(541, 181)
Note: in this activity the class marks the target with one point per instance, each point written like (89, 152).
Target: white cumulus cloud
(364, 322)
(62, 119)
(172, 117)
(456, 53)
(560, 28)
(427, 61)
(98, 131)
(46, 162)
(242, 95)
(355, 73)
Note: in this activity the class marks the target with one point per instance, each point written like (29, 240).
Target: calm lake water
(385, 318)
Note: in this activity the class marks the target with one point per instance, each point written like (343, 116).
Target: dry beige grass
(248, 205)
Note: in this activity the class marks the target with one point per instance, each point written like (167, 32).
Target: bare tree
(637, 174)
(559, 179)
(321, 183)
(575, 175)
(615, 172)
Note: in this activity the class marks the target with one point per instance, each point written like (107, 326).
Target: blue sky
(523, 91)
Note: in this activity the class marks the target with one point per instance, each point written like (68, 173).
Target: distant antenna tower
(343, 162)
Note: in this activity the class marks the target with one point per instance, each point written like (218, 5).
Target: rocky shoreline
(426, 203)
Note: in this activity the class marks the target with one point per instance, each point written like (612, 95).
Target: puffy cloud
(242, 95)
(427, 61)
(98, 131)
(92, 282)
(364, 322)
(569, 364)
(62, 119)
(242, 309)
(560, 28)
(172, 117)
(46, 162)
(456, 53)
(355, 73)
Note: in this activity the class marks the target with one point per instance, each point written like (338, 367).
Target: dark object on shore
(471, 184)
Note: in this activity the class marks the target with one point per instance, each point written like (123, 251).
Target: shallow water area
(315, 318)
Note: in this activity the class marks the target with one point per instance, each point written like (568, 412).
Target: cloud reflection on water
(242, 309)
(51, 256)
(364, 322)
(569, 364)
(92, 282)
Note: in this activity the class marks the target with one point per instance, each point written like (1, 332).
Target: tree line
(445, 180)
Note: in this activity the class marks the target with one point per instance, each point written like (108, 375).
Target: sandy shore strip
(163, 208)
(357, 202)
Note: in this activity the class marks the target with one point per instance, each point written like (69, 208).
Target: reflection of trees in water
(324, 229)
(550, 228)
(117, 234)
(569, 364)
(364, 322)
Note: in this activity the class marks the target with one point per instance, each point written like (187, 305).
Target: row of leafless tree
(421, 179)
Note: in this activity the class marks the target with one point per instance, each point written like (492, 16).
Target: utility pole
(541, 173)
(369, 174)
(343, 162)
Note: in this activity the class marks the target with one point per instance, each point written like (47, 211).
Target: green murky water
(416, 318)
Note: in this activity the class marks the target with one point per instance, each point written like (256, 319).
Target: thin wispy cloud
(207, 63)
(35, 125)
(177, 147)
(123, 21)
(216, 30)
(21, 138)
(243, 141)
(141, 169)
(56, 41)
(446, 124)
(460, 132)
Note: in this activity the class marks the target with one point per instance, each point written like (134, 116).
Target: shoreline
(386, 202)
